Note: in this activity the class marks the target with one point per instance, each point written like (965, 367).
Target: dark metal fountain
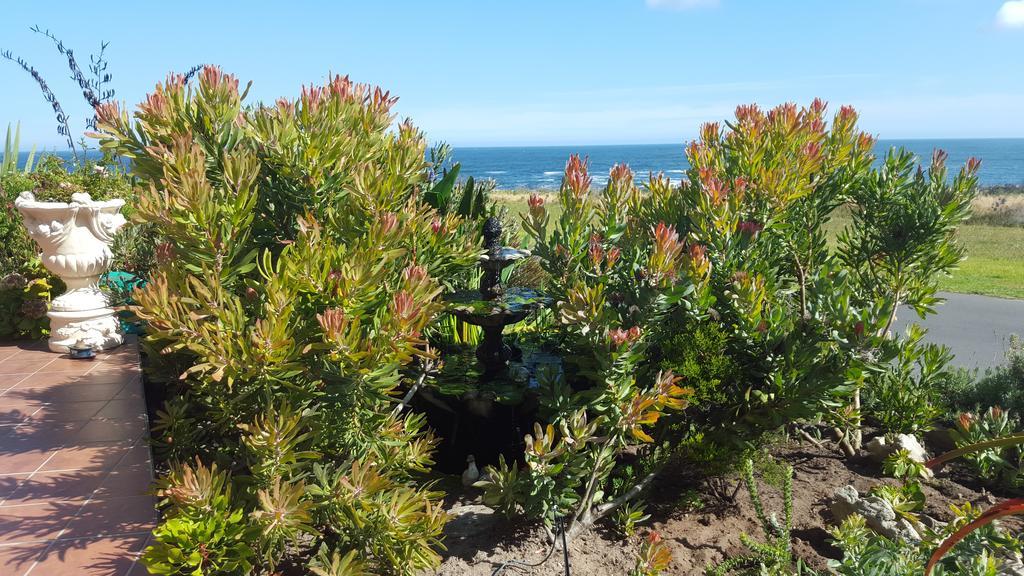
(480, 407)
(494, 307)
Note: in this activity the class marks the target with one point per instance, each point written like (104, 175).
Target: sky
(554, 72)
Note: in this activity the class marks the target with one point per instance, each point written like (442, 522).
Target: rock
(880, 449)
(876, 511)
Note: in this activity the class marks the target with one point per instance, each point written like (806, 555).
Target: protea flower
(577, 177)
(536, 204)
(388, 223)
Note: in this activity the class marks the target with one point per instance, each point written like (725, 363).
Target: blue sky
(558, 71)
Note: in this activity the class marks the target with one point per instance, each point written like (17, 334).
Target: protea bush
(298, 269)
(724, 291)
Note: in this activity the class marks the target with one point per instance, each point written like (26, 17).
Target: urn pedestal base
(99, 328)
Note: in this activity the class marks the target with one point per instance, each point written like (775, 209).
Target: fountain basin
(511, 306)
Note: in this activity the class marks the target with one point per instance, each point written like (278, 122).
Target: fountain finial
(492, 233)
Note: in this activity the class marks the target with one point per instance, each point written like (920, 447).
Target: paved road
(976, 328)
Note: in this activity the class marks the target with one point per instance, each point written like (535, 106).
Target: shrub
(728, 278)
(905, 394)
(288, 308)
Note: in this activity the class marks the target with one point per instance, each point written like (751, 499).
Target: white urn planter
(75, 241)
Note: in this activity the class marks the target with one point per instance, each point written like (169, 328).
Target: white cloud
(679, 4)
(1010, 15)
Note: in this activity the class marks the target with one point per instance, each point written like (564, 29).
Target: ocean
(540, 167)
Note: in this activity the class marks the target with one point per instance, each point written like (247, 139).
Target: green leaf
(439, 197)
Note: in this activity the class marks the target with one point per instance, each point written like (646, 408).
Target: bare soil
(479, 542)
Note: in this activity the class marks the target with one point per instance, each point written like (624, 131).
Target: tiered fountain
(482, 411)
(494, 307)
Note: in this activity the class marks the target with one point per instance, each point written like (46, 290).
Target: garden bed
(699, 527)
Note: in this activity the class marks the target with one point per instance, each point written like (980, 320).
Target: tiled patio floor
(74, 464)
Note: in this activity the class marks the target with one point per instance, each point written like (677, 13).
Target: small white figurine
(471, 474)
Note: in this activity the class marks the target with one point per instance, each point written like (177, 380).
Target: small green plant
(204, 532)
(775, 554)
(906, 499)
(901, 465)
(690, 500)
(980, 552)
(629, 517)
(1002, 464)
(24, 301)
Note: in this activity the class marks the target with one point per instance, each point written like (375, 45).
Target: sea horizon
(539, 167)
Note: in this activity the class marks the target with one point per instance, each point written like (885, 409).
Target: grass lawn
(994, 264)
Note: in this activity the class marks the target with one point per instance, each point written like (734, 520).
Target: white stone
(74, 239)
(880, 449)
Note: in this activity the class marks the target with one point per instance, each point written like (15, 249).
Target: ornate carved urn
(75, 241)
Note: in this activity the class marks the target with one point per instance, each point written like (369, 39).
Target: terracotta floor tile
(25, 363)
(68, 411)
(130, 392)
(69, 393)
(44, 380)
(98, 430)
(10, 482)
(124, 409)
(109, 377)
(98, 456)
(35, 522)
(132, 482)
(13, 461)
(90, 557)
(111, 517)
(56, 486)
(73, 463)
(17, 559)
(17, 410)
(8, 381)
(39, 436)
(71, 366)
(139, 456)
(8, 351)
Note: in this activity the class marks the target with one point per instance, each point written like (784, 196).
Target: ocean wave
(552, 173)
(496, 172)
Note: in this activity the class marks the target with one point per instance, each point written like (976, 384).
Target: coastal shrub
(298, 273)
(728, 279)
